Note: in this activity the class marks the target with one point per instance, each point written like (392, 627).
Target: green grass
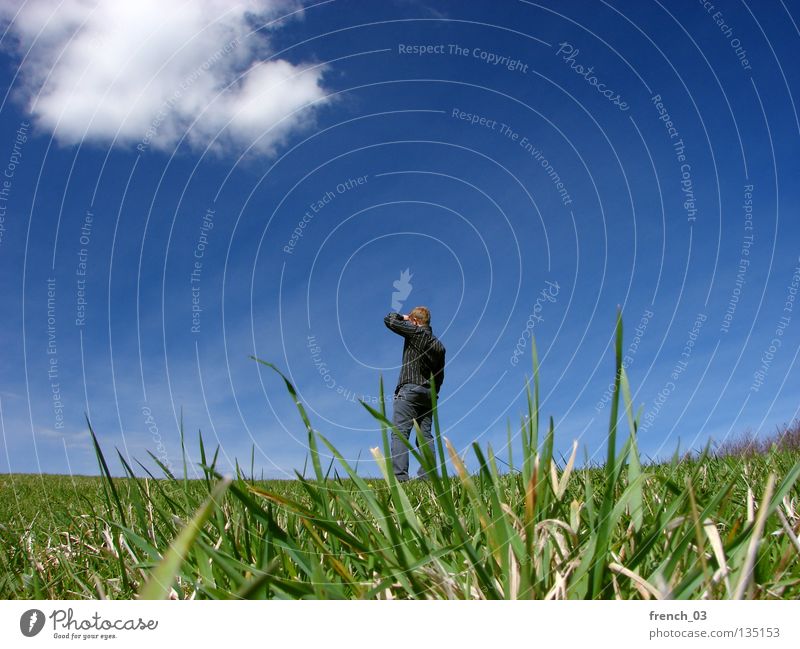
(721, 525)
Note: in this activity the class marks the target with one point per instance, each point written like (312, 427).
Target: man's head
(420, 316)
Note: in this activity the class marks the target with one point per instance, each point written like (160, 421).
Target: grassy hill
(714, 525)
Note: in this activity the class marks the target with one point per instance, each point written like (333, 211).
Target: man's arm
(398, 324)
(438, 377)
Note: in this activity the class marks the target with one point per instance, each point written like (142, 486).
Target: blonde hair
(421, 314)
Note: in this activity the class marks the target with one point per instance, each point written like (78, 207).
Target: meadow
(705, 525)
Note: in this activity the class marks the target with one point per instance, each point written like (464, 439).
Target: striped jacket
(423, 353)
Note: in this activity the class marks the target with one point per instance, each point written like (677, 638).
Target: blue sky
(277, 167)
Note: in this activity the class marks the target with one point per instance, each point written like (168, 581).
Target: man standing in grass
(423, 356)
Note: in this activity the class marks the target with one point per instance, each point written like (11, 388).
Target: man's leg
(419, 399)
(424, 422)
(402, 417)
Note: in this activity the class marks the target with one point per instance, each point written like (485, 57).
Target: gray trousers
(411, 402)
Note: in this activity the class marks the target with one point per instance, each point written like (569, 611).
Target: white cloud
(148, 72)
(72, 438)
